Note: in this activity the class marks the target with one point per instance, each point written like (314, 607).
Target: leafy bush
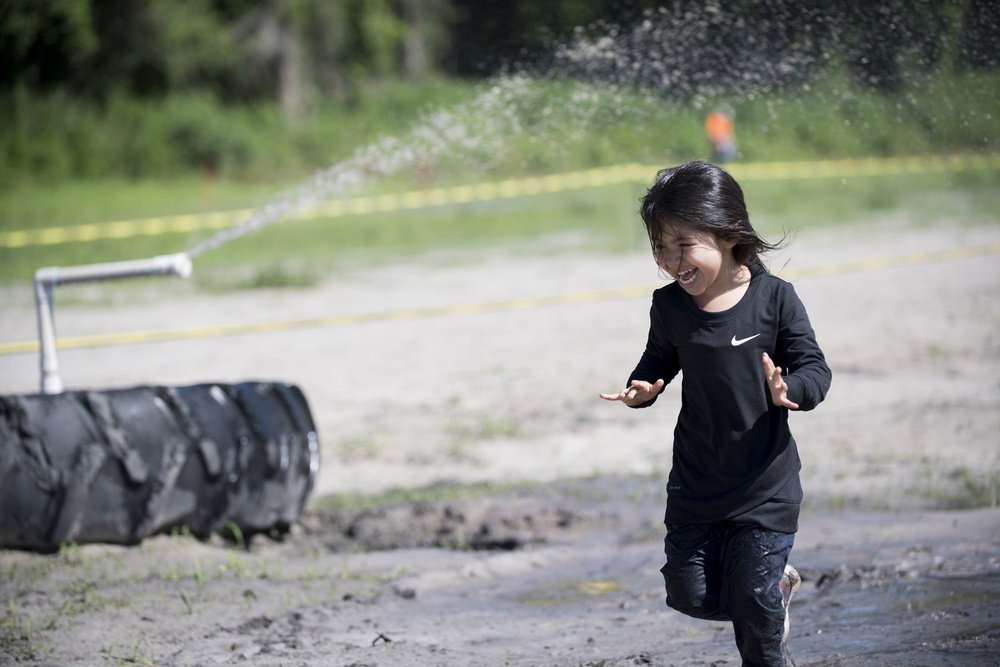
(513, 126)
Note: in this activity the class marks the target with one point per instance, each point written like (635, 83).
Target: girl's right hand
(776, 383)
(637, 393)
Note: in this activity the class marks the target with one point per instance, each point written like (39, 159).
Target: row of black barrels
(120, 465)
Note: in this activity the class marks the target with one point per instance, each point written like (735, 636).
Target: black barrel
(118, 466)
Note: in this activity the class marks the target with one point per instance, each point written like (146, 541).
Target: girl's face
(701, 264)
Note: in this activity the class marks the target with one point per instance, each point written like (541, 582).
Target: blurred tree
(236, 50)
(414, 50)
(43, 41)
(348, 42)
(96, 48)
(493, 35)
(687, 48)
(427, 35)
(290, 61)
(486, 32)
(291, 51)
(325, 29)
(870, 38)
(980, 38)
(268, 39)
(874, 38)
(178, 46)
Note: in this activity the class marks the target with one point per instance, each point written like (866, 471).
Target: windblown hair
(704, 197)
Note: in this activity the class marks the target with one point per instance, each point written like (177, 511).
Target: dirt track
(561, 572)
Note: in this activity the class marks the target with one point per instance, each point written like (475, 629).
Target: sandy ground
(555, 561)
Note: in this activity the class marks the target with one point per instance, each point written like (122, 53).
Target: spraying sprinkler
(48, 278)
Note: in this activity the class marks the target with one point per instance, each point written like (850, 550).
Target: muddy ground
(535, 537)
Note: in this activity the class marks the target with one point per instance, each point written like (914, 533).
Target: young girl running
(748, 354)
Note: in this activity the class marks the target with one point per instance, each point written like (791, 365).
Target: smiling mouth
(686, 278)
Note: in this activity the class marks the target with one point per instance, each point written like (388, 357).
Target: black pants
(730, 572)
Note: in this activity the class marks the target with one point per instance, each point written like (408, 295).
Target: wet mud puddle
(957, 615)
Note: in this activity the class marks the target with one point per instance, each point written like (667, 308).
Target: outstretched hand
(637, 393)
(776, 383)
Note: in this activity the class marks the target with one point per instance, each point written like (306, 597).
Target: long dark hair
(703, 196)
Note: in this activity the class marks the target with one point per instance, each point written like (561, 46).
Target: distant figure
(721, 132)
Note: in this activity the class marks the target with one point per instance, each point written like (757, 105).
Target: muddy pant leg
(753, 562)
(693, 572)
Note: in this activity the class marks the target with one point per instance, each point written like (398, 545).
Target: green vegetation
(560, 126)
(56, 137)
(437, 492)
(19, 638)
(205, 135)
(300, 253)
(271, 92)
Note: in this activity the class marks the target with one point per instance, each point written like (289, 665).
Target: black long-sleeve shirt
(734, 457)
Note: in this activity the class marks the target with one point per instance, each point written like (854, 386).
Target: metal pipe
(178, 264)
(51, 383)
(46, 279)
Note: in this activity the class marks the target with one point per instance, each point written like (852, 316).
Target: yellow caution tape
(463, 194)
(520, 303)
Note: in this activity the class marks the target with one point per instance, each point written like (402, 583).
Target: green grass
(969, 197)
(19, 638)
(437, 492)
(299, 254)
(82, 202)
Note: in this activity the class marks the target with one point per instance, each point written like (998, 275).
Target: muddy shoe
(789, 585)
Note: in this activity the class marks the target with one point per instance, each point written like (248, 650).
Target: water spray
(48, 278)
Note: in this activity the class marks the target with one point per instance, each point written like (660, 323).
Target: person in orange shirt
(722, 133)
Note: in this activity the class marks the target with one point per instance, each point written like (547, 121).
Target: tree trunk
(290, 66)
(414, 48)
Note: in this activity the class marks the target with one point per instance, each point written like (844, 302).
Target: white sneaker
(789, 585)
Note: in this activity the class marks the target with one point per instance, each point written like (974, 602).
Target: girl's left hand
(777, 385)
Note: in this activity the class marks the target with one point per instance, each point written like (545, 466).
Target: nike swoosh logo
(739, 341)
